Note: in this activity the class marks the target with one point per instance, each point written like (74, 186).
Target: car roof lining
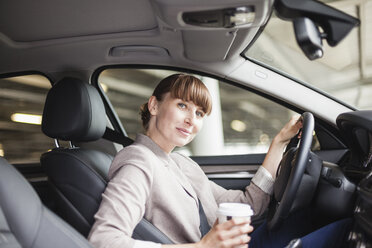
(50, 36)
(64, 19)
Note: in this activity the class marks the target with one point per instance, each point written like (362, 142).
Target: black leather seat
(74, 112)
(27, 219)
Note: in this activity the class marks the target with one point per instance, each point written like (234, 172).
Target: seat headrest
(73, 111)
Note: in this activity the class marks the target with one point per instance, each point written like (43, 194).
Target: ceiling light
(26, 118)
(241, 16)
(238, 126)
(221, 18)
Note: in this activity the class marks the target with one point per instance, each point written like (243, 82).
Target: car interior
(79, 71)
(36, 227)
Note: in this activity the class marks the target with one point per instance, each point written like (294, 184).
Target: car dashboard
(357, 129)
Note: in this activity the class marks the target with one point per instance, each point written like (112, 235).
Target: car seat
(27, 219)
(74, 111)
(7, 239)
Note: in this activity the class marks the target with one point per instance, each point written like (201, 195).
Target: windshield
(345, 71)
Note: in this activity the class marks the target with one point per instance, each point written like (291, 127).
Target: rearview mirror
(308, 38)
(310, 15)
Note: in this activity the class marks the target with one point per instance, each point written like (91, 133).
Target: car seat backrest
(7, 239)
(31, 223)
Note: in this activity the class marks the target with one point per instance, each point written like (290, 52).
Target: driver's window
(241, 121)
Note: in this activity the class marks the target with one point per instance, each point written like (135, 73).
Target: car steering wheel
(289, 175)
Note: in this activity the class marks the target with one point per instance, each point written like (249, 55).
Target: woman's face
(174, 122)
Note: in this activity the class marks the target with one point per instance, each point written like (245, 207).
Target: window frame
(119, 129)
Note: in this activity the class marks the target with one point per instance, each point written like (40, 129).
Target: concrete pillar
(210, 140)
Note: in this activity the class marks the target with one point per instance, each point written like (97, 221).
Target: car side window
(22, 99)
(241, 121)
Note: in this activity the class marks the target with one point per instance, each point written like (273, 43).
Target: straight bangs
(189, 88)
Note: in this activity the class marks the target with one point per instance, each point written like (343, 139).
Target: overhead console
(211, 29)
(215, 15)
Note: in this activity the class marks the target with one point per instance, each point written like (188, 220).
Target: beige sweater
(164, 189)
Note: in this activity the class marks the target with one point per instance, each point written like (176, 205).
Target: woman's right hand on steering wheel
(228, 234)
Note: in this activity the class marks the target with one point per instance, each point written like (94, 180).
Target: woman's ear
(153, 105)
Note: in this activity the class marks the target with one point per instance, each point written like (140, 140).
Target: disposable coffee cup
(228, 211)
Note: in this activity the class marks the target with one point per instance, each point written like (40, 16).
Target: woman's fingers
(236, 241)
(228, 234)
(290, 129)
(235, 222)
(234, 231)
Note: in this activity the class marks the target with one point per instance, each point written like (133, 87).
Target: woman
(148, 180)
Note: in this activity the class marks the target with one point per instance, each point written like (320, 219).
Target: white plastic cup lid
(235, 209)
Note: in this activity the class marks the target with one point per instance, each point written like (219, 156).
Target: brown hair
(185, 87)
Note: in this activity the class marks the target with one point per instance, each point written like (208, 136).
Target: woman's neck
(163, 144)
